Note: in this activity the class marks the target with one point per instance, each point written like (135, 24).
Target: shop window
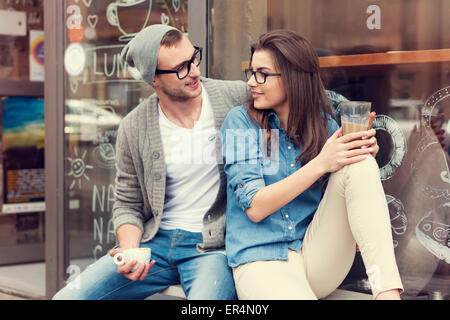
(22, 182)
(394, 54)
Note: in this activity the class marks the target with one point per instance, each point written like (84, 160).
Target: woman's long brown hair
(309, 105)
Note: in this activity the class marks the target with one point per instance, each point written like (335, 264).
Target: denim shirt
(248, 170)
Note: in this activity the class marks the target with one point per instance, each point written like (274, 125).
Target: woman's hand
(374, 145)
(371, 134)
(341, 150)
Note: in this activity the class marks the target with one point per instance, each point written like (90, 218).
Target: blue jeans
(201, 275)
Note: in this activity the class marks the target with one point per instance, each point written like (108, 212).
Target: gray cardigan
(141, 172)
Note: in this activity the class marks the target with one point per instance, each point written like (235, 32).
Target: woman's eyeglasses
(260, 77)
(185, 68)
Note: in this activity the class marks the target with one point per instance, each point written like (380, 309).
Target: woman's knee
(363, 169)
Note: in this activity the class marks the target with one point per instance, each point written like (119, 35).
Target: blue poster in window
(23, 141)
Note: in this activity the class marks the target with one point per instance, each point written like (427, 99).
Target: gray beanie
(142, 51)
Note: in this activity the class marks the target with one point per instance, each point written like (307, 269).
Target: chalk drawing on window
(438, 185)
(433, 235)
(430, 107)
(129, 16)
(399, 221)
(105, 155)
(78, 168)
(165, 19)
(394, 146)
(176, 5)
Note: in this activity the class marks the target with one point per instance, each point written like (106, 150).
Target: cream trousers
(353, 210)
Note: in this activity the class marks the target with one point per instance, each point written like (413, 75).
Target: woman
(287, 237)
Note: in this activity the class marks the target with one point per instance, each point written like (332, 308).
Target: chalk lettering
(107, 197)
(374, 20)
(98, 249)
(75, 18)
(98, 230)
(111, 234)
(112, 65)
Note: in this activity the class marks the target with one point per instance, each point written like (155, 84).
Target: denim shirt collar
(274, 121)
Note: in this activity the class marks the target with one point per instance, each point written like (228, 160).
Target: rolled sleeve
(124, 217)
(128, 204)
(246, 192)
(242, 157)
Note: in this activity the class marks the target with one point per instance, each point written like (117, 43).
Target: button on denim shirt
(249, 169)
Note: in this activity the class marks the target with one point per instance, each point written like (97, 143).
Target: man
(170, 184)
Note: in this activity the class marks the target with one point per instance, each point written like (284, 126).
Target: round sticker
(37, 50)
(74, 59)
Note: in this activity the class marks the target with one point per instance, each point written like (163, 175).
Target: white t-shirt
(192, 175)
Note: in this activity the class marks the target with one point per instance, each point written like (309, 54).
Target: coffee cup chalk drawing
(136, 13)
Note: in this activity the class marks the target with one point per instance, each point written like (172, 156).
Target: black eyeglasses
(185, 68)
(260, 76)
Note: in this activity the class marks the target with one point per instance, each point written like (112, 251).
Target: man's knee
(67, 293)
(88, 284)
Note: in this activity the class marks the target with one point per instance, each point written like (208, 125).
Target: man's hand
(139, 274)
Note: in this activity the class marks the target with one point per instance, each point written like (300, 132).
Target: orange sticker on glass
(76, 34)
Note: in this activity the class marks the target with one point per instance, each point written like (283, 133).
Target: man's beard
(178, 94)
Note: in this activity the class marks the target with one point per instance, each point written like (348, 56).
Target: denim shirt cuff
(245, 192)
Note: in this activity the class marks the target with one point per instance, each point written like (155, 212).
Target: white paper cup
(141, 255)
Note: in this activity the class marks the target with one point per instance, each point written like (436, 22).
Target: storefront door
(91, 90)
